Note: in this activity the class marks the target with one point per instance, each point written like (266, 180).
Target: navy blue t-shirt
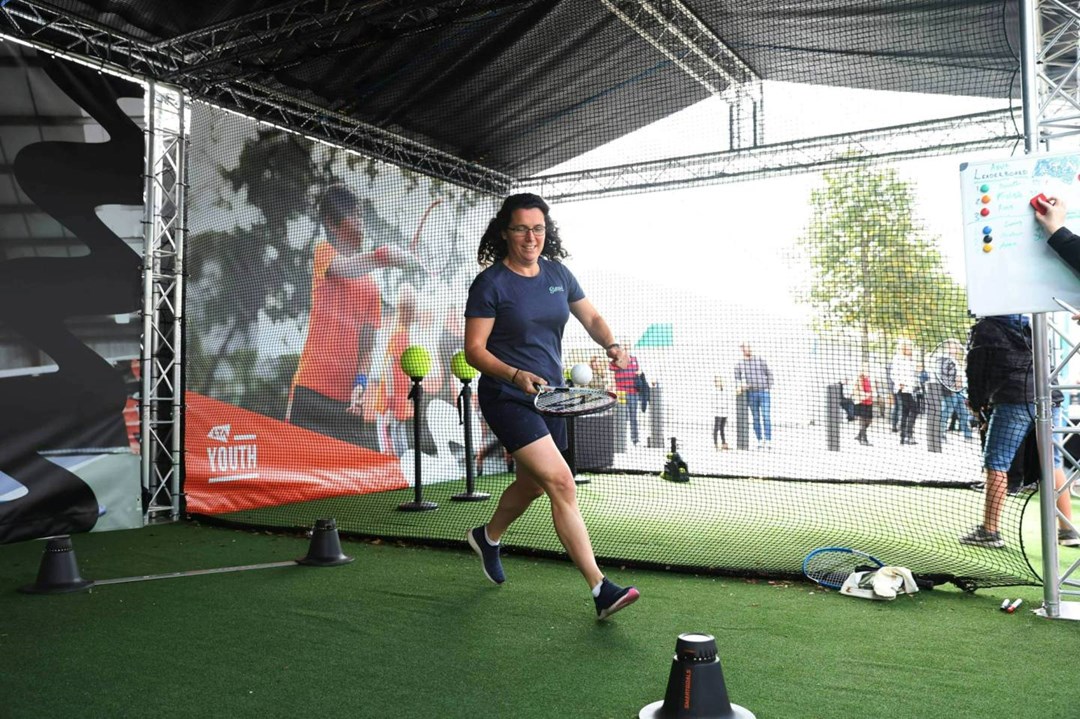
(530, 314)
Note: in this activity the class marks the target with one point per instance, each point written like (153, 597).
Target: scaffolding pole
(1048, 71)
(161, 402)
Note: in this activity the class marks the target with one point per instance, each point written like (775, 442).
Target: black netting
(795, 320)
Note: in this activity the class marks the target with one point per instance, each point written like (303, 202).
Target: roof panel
(522, 85)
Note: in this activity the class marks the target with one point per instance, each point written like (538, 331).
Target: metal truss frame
(1057, 103)
(996, 128)
(161, 402)
(49, 29)
(674, 30)
(1049, 33)
(342, 131)
(1067, 582)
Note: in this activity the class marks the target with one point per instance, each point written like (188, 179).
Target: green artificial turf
(408, 631)
(733, 525)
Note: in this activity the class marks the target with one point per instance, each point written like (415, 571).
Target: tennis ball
(461, 367)
(416, 362)
(581, 374)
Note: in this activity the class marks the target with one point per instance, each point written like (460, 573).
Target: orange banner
(238, 460)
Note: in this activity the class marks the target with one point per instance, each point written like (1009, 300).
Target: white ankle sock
(596, 589)
(488, 539)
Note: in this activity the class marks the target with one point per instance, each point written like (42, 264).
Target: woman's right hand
(527, 381)
(1052, 218)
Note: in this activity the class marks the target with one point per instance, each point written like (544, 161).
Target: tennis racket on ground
(948, 365)
(831, 566)
(572, 401)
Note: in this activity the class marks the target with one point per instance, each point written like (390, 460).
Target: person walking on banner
(515, 314)
(329, 387)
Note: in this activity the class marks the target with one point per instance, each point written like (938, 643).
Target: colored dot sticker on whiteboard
(986, 230)
(984, 211)
(984, 188)
(986, 199)
(987, 239)
(987, 248)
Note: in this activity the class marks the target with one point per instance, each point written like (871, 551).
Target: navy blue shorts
(1009, 426)
(514, 419)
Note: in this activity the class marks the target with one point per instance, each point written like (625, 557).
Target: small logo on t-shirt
(556, 288)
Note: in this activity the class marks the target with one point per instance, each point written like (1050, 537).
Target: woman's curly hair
(492, 245)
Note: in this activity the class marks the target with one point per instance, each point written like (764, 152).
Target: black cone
(695, 688)
(325, 547)
(58, 572)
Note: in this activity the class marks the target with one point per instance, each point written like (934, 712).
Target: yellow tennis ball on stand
(416, 362)
(581, 374)
(461, 367)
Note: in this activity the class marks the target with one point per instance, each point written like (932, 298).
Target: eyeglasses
(522, 230)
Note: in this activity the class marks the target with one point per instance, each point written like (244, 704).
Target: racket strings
(832, 570)
(566, 402)
(937, 361)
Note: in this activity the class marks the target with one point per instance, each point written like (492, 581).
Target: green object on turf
(416, 362)
(461, 367)
(675, 469)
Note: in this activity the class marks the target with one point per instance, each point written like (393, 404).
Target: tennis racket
(948, 365)
(831, 566)
(572, 401)
(429, 243)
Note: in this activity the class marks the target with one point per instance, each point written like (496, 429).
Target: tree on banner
(255, 268)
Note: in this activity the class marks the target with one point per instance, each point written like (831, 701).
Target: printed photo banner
(70, 288)
(310, 271)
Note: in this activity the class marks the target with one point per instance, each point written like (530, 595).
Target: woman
(625, 369)
(721, 412)
(864, 404)
(514, 319)
(905, 379)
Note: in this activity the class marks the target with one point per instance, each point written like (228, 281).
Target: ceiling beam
(994, 129)
(274, 40)
(690, 45)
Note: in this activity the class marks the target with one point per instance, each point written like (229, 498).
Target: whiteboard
(1019, 273)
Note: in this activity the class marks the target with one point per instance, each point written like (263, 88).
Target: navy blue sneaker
(613, 598)
(489, 555)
